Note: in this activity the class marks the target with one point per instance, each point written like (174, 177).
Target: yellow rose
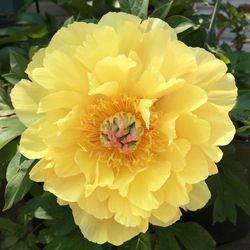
(126, 121)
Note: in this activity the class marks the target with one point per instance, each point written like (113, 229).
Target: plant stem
(212, 21)
(37, 6)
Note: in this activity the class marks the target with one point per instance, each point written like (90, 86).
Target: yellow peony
(127, 121)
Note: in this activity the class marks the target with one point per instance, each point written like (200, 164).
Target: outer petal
(72, 35)
(198, 196)
(165, 215)
(36, 62)
(101, 231)
(25, 97)
(196, 168)
(123, 212)
(193, 129)
(222, 128)
(116, 20)
(175, 192)
(211, 76)
(31, 145)
(184, 99)
(95, 206)
(69, 189)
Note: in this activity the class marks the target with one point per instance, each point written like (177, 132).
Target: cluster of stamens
(122, 131)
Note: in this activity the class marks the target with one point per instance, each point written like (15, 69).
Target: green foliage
(10, 128)
(229, 189)
(161, 10)
(18, 65)
(18, 182)
(189, 235)
(135, 7)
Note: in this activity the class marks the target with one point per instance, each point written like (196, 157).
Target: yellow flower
(127, 121)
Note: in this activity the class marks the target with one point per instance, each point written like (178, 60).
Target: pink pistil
(120, 132)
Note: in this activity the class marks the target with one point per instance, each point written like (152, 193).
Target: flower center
(122, 131)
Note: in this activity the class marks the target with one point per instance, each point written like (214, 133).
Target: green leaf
(229, 189)
(68, 21)
(162, 11)
(190, 235)
(74, 240)
(8, 227)
(180, 23)
(244, 131)
(141, 242)
(18, 180)
(135, 7)
(18, 65)
(241, 110)
(10, 128)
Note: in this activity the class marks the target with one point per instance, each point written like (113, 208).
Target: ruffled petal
(165, 215)
(101, 231)
(31, 145)
(25, 97)
(198, 196)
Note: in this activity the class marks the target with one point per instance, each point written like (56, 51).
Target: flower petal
(193, 129)
(25, 97)
(165, 215)
(31, 145)
(198, 196)
(144, 108)
(175, 192)
(69, 189)
(222, 128)
(101, 231)
(196, 168)
(184, 99)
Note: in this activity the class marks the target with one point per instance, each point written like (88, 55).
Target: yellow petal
(113, 69)
(65, 69)
(25, 97)
(212, 151)
(122, 209)
(144, 108)
(176, 153)
(97, 173)
(116, 20)
(165, 215)
(175, 192)
(196, 168)
(92, 205)
(155, 23)
(31, 145)
(101, 231)
(65, 164)
(72, 35)
(209, 70)
(223, 92)
(42, 171)
(107, 88)
(36, 62)
(153, 85)
(60, 100)
(167, 125)
(179, 60)
(152, 49)
(222, 128)
(184, 99)
(192, 128)
(100, 44)
(141, 197)
(69, 189)
(198, 196)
